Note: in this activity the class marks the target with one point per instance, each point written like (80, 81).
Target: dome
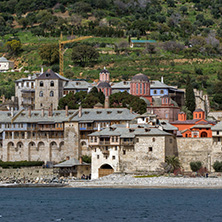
(104, 70)
(140, 78)
(103, 85)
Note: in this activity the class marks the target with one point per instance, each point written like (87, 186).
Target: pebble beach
(129, 181)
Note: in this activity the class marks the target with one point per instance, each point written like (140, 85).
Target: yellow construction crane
(61, 50)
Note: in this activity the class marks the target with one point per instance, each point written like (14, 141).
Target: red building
(140, 86)
(103, 85)
(197, 127)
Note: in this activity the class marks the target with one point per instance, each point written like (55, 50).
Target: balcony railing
(104, 142)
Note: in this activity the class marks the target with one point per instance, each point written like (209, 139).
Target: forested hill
(164, 19)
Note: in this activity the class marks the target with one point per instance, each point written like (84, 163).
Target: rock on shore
(118, 180)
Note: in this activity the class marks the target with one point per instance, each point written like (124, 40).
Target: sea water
(75, 204)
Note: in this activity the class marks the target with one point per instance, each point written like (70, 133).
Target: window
(150, 149)
(124, 152)
(144, 88)
(137, 140)
(196, 115)
(116, 147)
(171, 140)
(52, 83)
(95, 139)
(137, 88)
(161, 91)
(218, 139)
(154, 92)
(97, 157)
(113, 157)
(141, 88)
(186, 135)
(51, 94)
(154, 139)
(40, 94)
(113, 139)
(41, 84)
(218, 132)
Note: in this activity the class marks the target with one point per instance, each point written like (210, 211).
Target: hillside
(175, 25)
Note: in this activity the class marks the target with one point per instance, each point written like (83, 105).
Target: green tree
(173, 163)
(217, 166)
(190, 97)
(49, 53)
(195, 166)
(84, 55)
(14, 47)
(124, 99)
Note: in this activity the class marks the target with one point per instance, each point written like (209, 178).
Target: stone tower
(48, 90)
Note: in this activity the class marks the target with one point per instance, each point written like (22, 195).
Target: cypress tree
(190, 97)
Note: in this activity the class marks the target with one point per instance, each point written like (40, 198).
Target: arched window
(41, 84)
(40, 94)
(51, 94)
(52, 83)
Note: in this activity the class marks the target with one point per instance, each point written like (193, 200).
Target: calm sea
(70, 204)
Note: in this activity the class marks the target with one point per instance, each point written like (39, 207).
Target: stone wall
(27, 173)
(147, 154)
(202, 101)
(195, 149)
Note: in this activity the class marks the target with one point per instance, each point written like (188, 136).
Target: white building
(6, 64)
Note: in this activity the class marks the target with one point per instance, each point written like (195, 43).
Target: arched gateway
(105, 170)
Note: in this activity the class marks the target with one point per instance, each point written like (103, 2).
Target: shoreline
(120, 181)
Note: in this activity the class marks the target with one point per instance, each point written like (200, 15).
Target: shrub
(195, 166)
(19, 164)
(217, 166)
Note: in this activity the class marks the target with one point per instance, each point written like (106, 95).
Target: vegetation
(86, 159)
(173, 163)
(188, 35)
(195, 166)
(19, 164)
(217, 166)
(49, 53)
(73, 101)
(190, 97)
(124, 99)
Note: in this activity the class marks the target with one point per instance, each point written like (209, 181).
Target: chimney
(12, 112)
(50, 111)
(80, 111)
(42, 112)
(162, 79)
(42, 70)
(80, 160)
(29, 111)
(131, 110)
(106, 105)
(67, 111)
(3, 99)
(99, 127)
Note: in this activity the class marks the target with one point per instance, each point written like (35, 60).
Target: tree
(84, 55)
(14, 46)
(190, 97)
(217, 166)
(49, 53)
(195, 166)
(124, 99)
(173, 162)
(150, 48)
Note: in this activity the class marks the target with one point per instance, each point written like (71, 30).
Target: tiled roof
(124, 132)
(103, 85)
(121, 85)
(201, 126)
(114, 114)
(49, 74)
(218, 126)
(77, 85)
(140, 77)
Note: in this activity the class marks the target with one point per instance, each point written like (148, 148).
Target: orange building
(197, 127)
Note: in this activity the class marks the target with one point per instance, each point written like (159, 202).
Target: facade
(49, 135)
(103, 85)
(140, 86)
(25, 91)
(129, 149)
(48, 89)
(197, 127)
(6, 64)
